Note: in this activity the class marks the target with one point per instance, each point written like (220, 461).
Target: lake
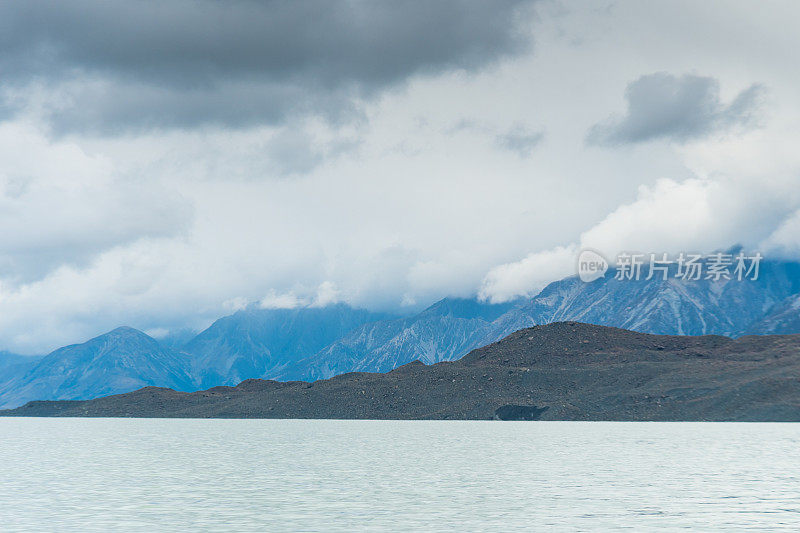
(321, 475)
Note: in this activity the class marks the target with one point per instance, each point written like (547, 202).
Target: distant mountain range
(669, 307)
(444, 332)
(268, 342)
(560, 371)
(313, 343)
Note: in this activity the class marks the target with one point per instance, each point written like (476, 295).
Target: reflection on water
(257, 475)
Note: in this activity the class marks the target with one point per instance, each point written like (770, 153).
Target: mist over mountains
(311, 343)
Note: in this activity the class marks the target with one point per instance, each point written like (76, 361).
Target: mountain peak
(121, 360)
(122, 338)
(126, 330)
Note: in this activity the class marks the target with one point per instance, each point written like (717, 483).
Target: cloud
(275, 300)
(177, 225)
(235, 304)
(61, 205)
(669, 216)
(327, 294)
(784, 239)
(293, 151)
(297, 150)
(111, 66)
(680, 109)
(520, 139)
(693, 215)
(529, 275)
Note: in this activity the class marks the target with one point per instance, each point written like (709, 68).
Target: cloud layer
(677, 108)
(165, 163)
(109, 66)
(61, 206)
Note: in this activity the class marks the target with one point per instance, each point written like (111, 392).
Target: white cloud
(61, 205)
(158, 333)
(327, 294)
(785, 240)
(529, 275)
(695, 215)
(235, 304)
(274, 300)
(669, 216)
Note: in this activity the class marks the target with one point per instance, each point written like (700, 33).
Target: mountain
(313, 343)
(176, 339)
(9, 359)
(668, 307)
(14, 365)
(263, 343)
(121, 360)
(561, 371)
(782, 319)
(443, 332)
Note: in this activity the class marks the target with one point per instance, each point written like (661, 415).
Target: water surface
(290, 475)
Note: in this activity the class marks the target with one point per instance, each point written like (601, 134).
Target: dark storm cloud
(663, 106)
(176, 63)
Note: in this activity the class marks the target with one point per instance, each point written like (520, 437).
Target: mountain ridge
(442, 332)
(311, 343)
(559, 371)
(256, 343)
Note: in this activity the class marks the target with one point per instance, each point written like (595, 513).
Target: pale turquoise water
(268, 475)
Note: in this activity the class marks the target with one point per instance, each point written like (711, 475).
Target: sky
(166, 163)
